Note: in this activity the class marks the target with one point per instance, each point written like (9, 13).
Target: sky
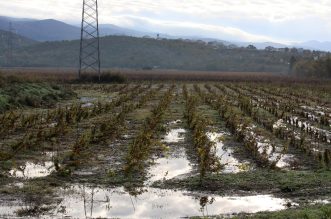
(282, 21)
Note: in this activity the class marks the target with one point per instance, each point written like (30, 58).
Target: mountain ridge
(55, 30)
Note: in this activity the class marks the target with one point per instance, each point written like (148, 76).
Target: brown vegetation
(122, 75)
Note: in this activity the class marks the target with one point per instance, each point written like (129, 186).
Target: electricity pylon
(89, 57)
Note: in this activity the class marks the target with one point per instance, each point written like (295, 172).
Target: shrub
(2, 80)
(14, 79)
(104, 78)
(32, 101)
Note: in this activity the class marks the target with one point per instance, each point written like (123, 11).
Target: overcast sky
(236, 20)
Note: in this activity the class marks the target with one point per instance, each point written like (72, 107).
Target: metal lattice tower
(89, 58)
(10, 45)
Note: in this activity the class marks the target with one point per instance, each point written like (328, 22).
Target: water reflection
(8, 209)
(175, 136)
(81, 202)
(169, 167)
(33, 170)
(87, 99)
(87, 102)
(231, 164)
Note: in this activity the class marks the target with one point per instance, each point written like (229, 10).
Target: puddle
(81, 202)
(8, 209)
(320, 111)
(87, 102)
(87, 99)
(304, 125)
(32, 170)
(175, 136)
(279, 124)
(320, 201)
(170, 167)
(275, 154)
(126, 136)
(284, 160)
(175, 122)
(87, 105)
(52, 125)
(231, 164)
(50, 154)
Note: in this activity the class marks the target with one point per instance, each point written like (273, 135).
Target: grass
(141, 114)
(289, 184)
(25, 94)
(309, 212)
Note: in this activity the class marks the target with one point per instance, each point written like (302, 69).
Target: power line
(89, 57)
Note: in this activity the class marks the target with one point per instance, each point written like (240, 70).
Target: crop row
(252, 105)
(65, 119)
(205, 149)
(301, 95)
(13, 121)
(258, 141)
(104, 131)
(316, 114)
(281, 131)
(145, 141)
(101, 87)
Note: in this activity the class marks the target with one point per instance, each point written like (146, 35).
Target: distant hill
(148, 53)
(54, 30)
(315, 45)
(18, 41)
(41, 30)
(110, 29)
(262, 45)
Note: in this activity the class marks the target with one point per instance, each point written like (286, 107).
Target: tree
(328, 67)
(293, 61)
(251, 47)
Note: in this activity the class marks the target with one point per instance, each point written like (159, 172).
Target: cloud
(253, 20)
(272, 10)
(186, 28)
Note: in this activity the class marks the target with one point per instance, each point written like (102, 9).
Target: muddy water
(175, 136)
(87, 102)
(8, 209)
(284, 160)
(275, 154)
(170, 165)
(33, 170)
(231, 164)
(79, 202)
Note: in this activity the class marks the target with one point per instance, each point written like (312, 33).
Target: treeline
(313, 68)
(148, 53)
(16, 41)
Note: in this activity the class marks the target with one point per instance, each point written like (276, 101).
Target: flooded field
(81, 202)
(142, 150)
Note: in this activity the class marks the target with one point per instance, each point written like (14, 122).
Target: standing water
(79, 202)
